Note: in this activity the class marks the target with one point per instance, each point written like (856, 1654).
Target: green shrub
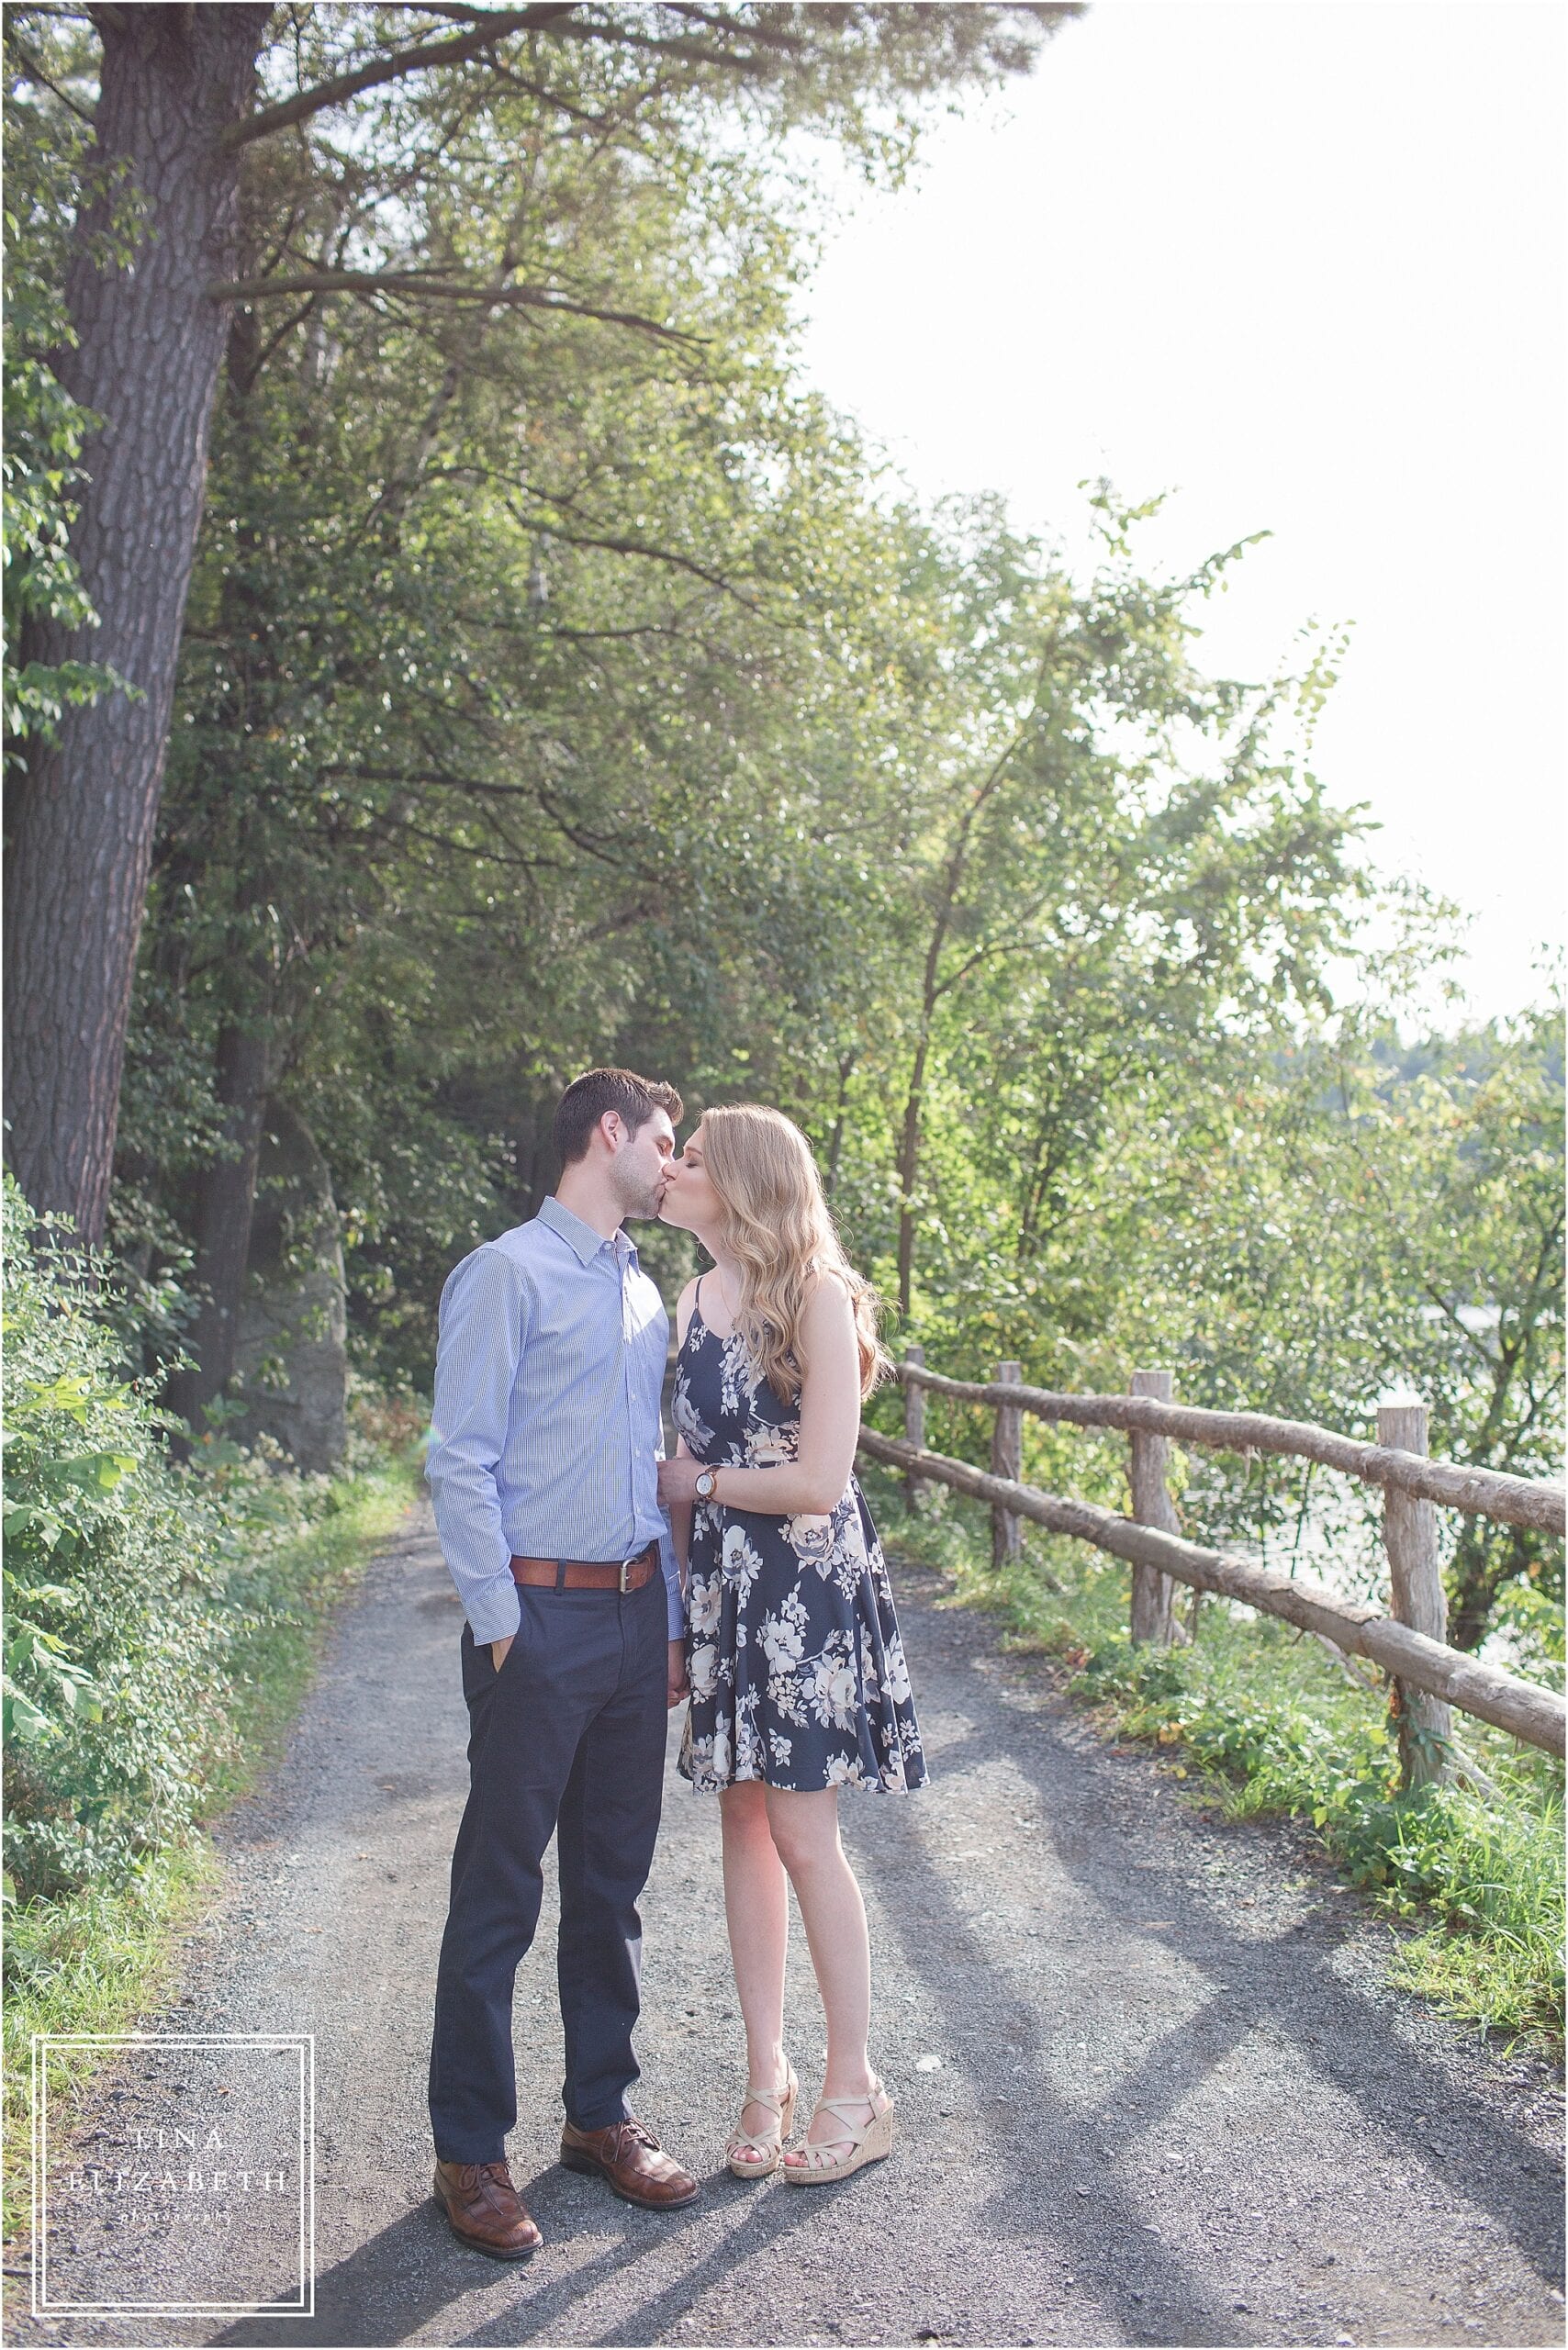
(115, 1626)
(144, 1595)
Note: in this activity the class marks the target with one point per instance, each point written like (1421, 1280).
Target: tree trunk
(225, 1202)
(835, 1142)
(150, 344)
(1486, 1558)
(909, 1175)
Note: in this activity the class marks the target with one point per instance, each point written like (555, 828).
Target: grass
(1263, 1721)
(100, 1959)
(289, 1594)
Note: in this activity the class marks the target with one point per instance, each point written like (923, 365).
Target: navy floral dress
(798, 1672)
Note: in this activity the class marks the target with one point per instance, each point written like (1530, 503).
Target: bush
(115, 1626)
(159, 1615)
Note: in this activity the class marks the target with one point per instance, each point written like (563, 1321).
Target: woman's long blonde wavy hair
(780, 1231)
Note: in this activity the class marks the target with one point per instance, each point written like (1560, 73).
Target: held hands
(677, 1479)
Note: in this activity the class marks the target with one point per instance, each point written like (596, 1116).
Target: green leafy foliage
(138, 1592)
(1252, 1715)
(45, 430)
(115, 1633)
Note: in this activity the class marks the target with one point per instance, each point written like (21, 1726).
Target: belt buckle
(626, 1567)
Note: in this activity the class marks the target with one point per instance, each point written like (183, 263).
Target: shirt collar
(581, 1238)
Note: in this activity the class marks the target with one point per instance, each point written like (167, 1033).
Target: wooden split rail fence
(1429, 1677)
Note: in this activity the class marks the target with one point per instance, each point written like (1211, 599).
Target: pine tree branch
(35, 72)
(425, 286)
(653, 554)
(790, 44)
(489, 28)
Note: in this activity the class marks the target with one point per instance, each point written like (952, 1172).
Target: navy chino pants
(567, 1739)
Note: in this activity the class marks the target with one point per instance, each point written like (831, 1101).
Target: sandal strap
(819, 2153)
(773, 2101)
(874, 2097)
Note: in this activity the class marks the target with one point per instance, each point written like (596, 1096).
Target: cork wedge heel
(856, 2144)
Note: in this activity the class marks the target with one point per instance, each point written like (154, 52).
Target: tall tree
(176, 120)
(146, 347)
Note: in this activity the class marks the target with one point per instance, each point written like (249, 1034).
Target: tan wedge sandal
(867, 2142)
(769, 2147)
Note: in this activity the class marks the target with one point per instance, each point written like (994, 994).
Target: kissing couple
(603, 1584)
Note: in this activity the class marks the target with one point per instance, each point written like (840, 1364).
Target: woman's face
(689, 1198)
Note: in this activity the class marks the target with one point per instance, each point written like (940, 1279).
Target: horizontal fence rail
(1537, 1716)
(1482, 1492)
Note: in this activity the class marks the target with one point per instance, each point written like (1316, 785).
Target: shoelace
(472, 2176)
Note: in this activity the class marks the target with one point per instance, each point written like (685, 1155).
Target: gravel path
(1150, 2089)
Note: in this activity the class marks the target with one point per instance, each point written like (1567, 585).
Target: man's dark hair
(588, 1098)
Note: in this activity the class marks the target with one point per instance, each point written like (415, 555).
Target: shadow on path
(1067, 2159)
(400, 2281)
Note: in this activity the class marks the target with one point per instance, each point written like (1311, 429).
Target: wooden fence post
(1153, 1616)
(914, 1488)
(1007, 1461)
(1415, 1598)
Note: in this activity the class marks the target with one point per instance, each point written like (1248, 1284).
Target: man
(543, 1468)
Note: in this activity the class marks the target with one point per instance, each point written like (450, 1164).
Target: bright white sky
(1302, 262)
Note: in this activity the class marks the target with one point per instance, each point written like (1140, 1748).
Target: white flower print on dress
(835, 1691)
(812, 1538)
(734, 1375)
(768, 1448)
(783, 1636)
(741, 1563)
(707, 1593)
(688, 1424)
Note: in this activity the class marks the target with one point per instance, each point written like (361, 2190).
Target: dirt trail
(1150, 2089)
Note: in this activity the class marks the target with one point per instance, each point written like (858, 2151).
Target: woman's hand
(678, 1480)
(676, 1686)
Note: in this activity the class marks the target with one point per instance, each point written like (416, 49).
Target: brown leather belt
(591, 1575)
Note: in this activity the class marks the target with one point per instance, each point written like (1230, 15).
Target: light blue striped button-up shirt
(546, 1433)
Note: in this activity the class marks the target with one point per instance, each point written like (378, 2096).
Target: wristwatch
(706, 1481)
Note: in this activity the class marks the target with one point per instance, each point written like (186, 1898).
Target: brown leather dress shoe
(632, 2161)
(484, 2210)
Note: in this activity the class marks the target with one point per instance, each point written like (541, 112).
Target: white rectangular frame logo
(304, 2045)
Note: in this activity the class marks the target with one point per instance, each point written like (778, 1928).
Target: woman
(797, 1679)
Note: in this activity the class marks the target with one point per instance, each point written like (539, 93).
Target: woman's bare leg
(805, 1833)
(757, 1910)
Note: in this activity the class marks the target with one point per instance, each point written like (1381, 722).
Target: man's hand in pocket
(498, 1651)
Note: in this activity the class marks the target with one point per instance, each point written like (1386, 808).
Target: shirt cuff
(495, 1612)
(675, 1591)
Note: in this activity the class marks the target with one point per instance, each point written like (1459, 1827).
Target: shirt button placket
(626, 1397)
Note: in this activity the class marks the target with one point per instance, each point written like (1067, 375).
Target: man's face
(639, 1166)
